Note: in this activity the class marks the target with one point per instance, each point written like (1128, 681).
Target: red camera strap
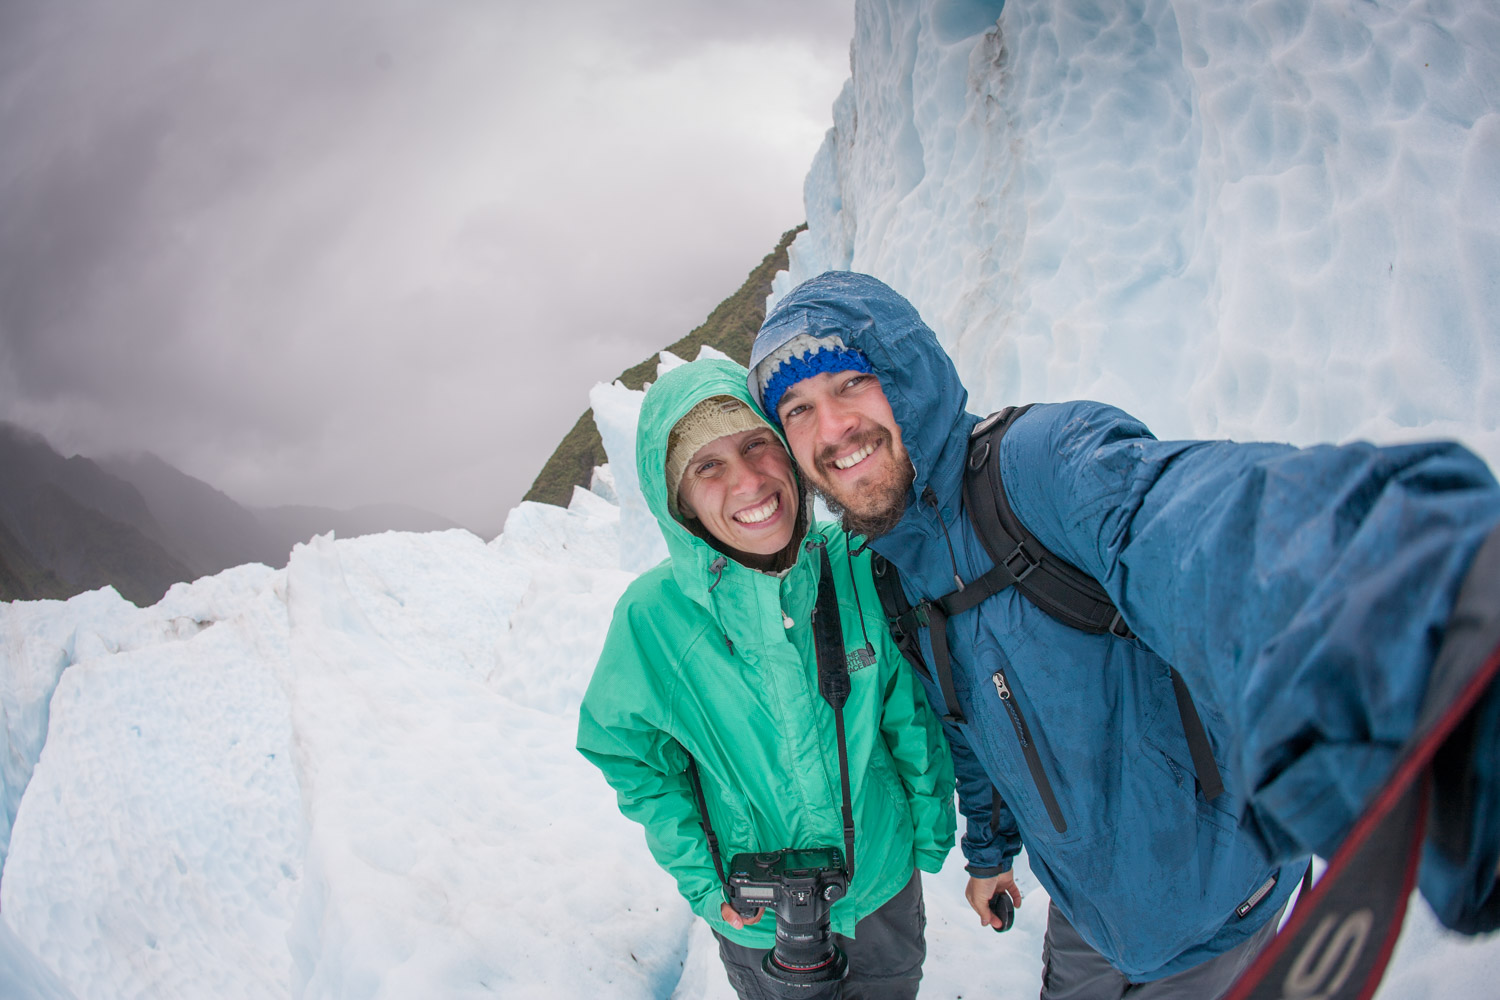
(1339, 939)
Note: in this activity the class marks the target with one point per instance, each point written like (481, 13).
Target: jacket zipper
(1033, 760)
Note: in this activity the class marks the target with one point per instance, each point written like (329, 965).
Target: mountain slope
(22, 578)
(70, 526)
(730, 328)
(210, 529)
(87, 549)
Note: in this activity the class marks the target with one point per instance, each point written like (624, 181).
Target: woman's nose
(747, 478)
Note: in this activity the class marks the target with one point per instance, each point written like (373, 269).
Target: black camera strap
(708, 829)
(833, 685)
(833, 682)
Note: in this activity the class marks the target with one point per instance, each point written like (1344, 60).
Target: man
(1301, 595)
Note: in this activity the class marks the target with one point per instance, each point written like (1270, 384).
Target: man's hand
(733, 919)
(980, 891)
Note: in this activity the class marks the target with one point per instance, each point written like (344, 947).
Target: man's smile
(849, 461)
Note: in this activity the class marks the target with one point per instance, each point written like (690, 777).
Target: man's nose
(835, 420)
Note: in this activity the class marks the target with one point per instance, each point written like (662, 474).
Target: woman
(710, 660)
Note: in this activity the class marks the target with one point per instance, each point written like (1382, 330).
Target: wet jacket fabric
(1301, 594)
(700, 659)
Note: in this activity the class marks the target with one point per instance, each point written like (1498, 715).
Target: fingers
(978, 893)
(733, 918)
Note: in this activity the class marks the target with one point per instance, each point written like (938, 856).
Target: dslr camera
(800, 887)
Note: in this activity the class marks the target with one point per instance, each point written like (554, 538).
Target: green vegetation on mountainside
(730, 328)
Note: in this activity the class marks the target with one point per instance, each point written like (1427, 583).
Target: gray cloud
(350, 252)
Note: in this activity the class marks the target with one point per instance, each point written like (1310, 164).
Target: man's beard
(880, 504)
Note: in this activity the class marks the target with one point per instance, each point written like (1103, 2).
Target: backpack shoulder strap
(906, 623)
(897, 610)
(1059, 588)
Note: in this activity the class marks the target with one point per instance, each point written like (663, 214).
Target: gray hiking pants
(885, 954)
(1071, 970)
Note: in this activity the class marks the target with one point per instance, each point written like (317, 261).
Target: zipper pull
(1002, 688)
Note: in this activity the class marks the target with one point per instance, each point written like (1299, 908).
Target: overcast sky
(366, 251)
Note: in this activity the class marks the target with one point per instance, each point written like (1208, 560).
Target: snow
(354, 777)
(1271, 220)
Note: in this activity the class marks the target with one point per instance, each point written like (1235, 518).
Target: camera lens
(804, 957)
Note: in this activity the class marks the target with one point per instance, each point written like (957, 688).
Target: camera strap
(833, 682)
(708, 829)
(833, 685)
(1337, 941)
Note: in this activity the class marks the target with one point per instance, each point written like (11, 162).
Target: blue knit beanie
(825, 357)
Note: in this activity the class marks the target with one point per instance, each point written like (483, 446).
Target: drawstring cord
(930, 498)
(717, 567)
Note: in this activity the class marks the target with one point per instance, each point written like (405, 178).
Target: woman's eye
(706, 468)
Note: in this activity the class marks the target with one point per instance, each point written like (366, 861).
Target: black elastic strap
(1209, 778)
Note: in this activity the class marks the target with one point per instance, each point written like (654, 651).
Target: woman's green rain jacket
(701, 661)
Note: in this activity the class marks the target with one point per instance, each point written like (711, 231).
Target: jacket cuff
(989, 871)
(931, 861)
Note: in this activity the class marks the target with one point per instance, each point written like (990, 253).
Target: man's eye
(856, 381)
(792, 411)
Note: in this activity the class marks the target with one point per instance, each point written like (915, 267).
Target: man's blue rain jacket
(1301, 593)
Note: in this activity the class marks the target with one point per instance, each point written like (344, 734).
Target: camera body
(800, 886)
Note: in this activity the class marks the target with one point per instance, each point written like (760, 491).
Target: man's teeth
(849, 461)
(760, 513)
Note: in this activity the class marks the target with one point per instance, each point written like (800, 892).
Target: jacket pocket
(1176, 765)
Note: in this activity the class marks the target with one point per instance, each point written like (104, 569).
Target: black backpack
(1059, 588)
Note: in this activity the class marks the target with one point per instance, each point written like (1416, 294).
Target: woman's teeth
(760, 513)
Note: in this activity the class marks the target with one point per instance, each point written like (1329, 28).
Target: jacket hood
(926, 396)
(667, 402)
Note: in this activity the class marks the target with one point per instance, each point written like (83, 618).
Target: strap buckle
(1028, 562)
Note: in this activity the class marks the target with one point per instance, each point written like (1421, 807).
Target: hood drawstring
(717, 566)
(930, 499)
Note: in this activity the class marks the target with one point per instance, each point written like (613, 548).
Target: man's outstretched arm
(1301, 593)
